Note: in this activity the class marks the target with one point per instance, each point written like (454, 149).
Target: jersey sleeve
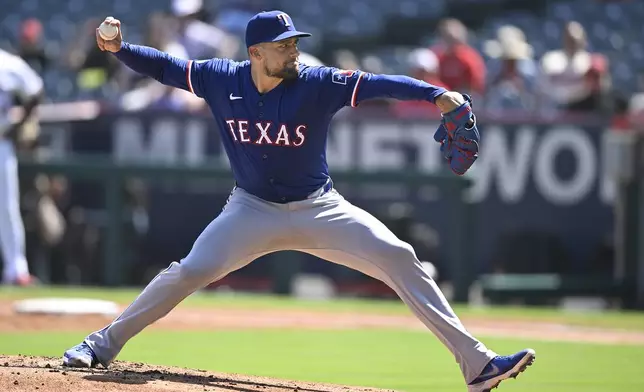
(203, 75)
(348, 88)
(339, 87)
(196, 76)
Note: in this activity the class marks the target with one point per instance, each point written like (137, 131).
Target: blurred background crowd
(537, 55)
(515, 57)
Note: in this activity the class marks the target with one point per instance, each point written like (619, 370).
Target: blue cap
(271, 26)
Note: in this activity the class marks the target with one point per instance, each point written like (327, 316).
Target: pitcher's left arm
(458, 133)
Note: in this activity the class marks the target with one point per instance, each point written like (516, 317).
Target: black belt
(327, 187)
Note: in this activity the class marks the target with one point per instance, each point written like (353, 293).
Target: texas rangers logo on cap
(285, 19)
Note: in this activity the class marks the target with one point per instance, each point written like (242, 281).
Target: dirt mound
(44, 374)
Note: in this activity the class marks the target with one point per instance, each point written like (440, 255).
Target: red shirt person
(460, 65)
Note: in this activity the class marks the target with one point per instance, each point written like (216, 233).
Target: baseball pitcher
(274, 115)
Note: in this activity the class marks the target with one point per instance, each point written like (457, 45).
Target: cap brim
(291, 34)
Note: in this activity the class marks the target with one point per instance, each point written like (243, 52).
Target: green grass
(401, 360)
(606, 319)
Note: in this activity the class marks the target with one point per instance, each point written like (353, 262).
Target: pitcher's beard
(286, 73)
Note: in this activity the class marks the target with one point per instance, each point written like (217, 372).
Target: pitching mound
(43, 374)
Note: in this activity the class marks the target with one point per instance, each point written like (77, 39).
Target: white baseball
(107, 31)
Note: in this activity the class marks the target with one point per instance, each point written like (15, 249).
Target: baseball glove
(459, 144)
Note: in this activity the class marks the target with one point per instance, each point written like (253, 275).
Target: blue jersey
(276, 141)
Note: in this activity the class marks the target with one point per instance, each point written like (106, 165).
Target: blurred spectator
(372, 64)
(98, 72)
(636, 104)
(461, 67)
(346, 59)
(513, 73)
(200, 39)
(31, 47)
(233, 16)
(574, 78)
(423, 65)
(158, 36)
(45, 226)
(309, 59)
(148, 93)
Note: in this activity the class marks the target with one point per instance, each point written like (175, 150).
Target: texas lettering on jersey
(265, 132)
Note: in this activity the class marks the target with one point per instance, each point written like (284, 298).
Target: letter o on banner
(569, 191)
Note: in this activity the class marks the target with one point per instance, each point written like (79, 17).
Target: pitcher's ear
(254, 52)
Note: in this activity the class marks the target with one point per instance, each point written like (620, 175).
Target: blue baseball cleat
(501, 368)
(80, 356)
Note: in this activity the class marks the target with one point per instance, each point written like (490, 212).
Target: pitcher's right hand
(113, 45)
